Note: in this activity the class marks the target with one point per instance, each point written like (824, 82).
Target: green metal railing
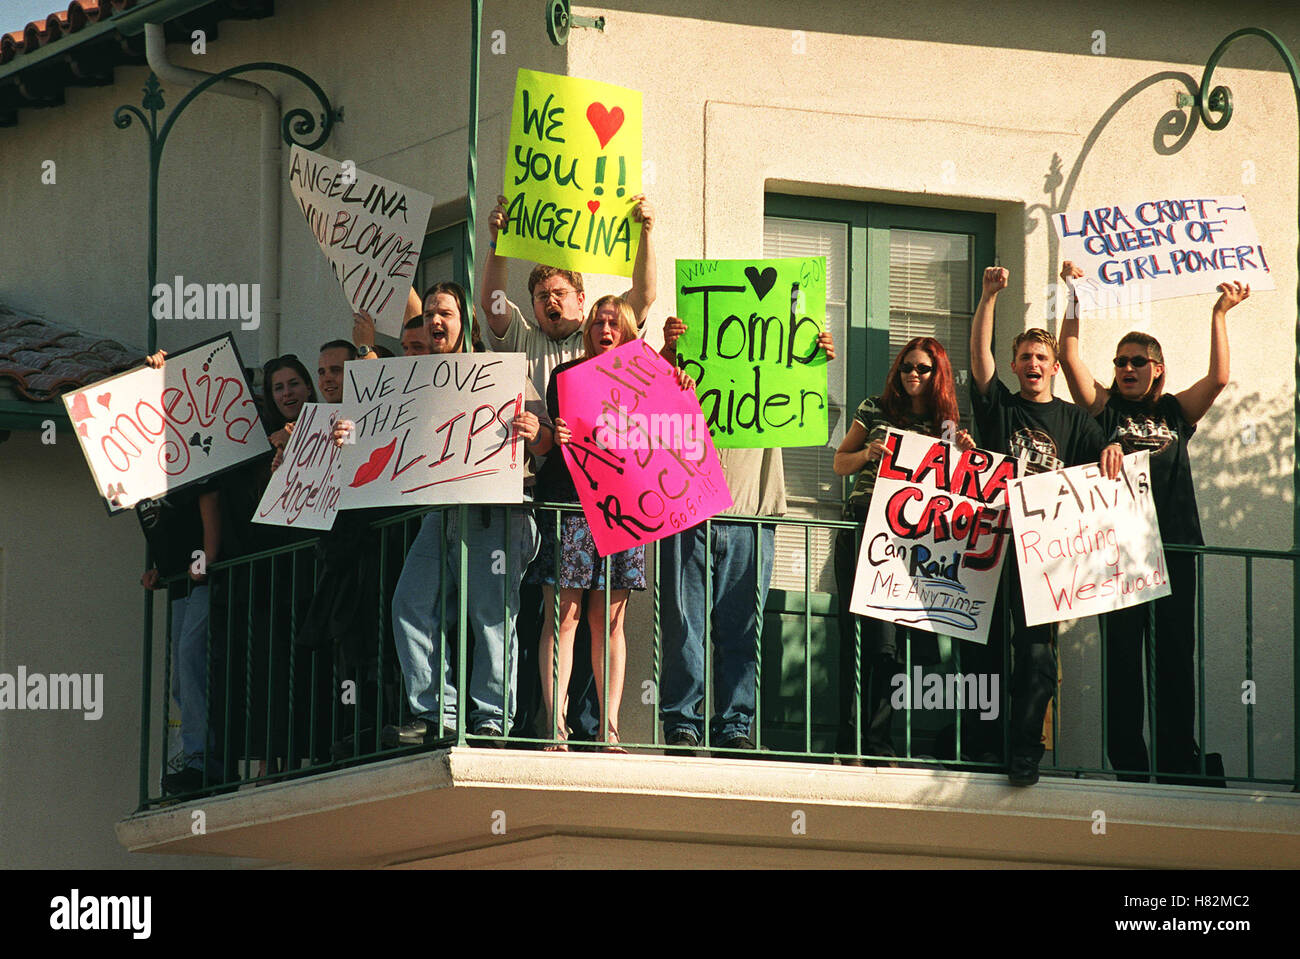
(277, 729)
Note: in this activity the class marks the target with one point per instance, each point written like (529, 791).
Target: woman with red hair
(918, 396)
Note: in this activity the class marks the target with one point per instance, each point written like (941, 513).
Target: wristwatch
(363, 351)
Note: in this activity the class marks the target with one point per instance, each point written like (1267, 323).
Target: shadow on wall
(1242, 461)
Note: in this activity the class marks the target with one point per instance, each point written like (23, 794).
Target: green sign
(751, 345)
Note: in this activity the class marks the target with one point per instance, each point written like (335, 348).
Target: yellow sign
(572, 168)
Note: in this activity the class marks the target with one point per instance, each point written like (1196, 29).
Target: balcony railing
(277, 709)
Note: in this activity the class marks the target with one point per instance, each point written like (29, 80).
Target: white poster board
(304, 492)
(148, 432)
(433, 429)
(370, 229)
(933, 545)
(1086, 544)
(1156, 249)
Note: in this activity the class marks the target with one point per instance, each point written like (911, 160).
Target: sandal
(562, 746)
(612, 745)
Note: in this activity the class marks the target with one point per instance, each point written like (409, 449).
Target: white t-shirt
(544, 354)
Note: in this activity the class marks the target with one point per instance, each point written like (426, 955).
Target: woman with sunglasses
(918, 396)
(1136, 412)
(287, 386)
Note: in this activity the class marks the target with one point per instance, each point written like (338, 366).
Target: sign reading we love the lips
(148, 432)
(433, 429)
(573, 166)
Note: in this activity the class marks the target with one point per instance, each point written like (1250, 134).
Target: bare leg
(568, 628)
(617, 656)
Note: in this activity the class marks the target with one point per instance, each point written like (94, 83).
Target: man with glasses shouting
(558, 301)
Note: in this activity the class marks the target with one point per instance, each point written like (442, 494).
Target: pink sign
(641, 457)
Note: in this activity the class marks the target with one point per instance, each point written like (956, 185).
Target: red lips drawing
(373, 467)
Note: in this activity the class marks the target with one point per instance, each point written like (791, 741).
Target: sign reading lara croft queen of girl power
(1162, 248)
(751, 345)
(572, 167)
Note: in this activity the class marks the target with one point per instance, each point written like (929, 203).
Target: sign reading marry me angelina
(147, 432)
(305, 490)
(1086, 544)
(932, 549)
(751, 345)
(573, 165)
(370, 229)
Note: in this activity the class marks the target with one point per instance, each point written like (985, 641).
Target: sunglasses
(922, 369)
(279, 360)
(1137, 362)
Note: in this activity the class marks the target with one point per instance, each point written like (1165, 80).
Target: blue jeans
(190, 673)
(493, 603)
(736, 625)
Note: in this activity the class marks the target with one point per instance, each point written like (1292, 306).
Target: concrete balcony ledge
(462, 808)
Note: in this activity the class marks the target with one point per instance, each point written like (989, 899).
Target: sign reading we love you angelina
(573, 167)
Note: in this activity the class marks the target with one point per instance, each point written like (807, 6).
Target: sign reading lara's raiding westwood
(433, 429)
(640, 457)
(1162, 249)
(370, 229)
(147, 432)
(1086, 544)
(304, 491)
(751, 345)
(572, 167)
(932, 549)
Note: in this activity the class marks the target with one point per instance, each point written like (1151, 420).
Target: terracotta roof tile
(76, 16)
(43, 359)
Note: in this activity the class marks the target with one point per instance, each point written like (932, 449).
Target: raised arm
(1197, 399)
(644, 280)
(982, 365)
(495, 274)
(1084, 390)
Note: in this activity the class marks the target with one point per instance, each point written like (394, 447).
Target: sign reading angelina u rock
(932, 549)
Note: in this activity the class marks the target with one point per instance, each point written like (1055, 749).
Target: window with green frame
(892, 272)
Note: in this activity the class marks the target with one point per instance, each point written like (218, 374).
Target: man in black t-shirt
(1042, 433)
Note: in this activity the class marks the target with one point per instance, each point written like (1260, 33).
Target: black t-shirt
(1041, 436)
(173, 527)
(554, 484)
(1164, 433)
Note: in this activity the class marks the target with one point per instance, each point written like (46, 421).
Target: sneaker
(1024, 771)
(495, 739)
(735, 742)
(418, 732)
(682, 737)
(188, 780)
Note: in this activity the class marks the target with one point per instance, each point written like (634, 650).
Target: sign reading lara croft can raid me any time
(932, 549)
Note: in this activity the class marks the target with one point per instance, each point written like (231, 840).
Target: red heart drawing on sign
(80, 410)
(605, 122)
(103, 399)
(593, 205)
(84, 430)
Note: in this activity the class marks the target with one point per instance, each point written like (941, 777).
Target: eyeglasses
(1137, 362)
(922, 369)
(543, 296)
